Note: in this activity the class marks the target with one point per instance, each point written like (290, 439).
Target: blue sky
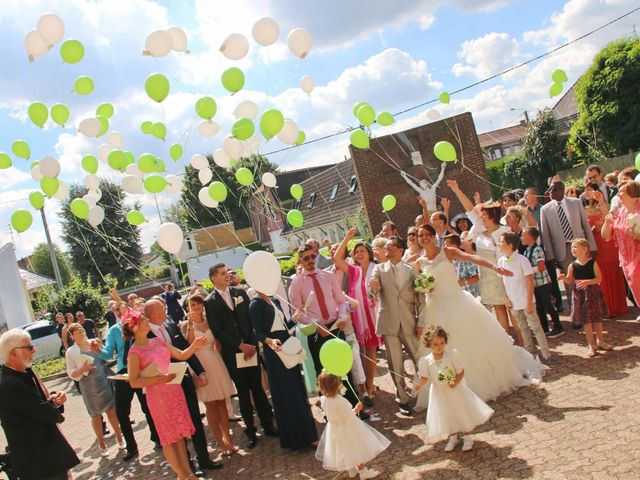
(391, 54)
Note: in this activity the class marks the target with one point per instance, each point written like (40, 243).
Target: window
(334, 192)
(353, 184)
(312, 200)
(497, 153)
(507, 150)
(40, 332)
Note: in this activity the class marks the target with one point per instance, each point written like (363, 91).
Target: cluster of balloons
(559, 77)
(366, 115)
(49, 31)
(162, 42)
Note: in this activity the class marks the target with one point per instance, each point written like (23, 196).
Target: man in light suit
(392, 282)
(561, 221)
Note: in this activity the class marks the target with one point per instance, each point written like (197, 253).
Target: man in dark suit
(156, 311)
(30, 415)
(227, 310)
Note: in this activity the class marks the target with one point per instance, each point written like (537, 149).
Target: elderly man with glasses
(30, 414)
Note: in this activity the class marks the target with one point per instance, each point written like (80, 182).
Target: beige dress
(219, 385)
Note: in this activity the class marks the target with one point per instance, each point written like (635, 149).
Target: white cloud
(487, 55)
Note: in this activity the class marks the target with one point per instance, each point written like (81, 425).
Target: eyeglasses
(389, 245)
(29, 347)
(306, 258)
(412, 234)
(232, 273)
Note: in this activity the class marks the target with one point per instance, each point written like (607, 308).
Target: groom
(392, 282)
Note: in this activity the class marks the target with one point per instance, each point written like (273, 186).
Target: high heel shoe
(104, 452)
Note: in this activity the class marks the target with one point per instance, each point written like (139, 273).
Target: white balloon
(35, 45)
(205, 198)
(235, 46)
(115, 139)
(262, 272)
(208, 128)
(63, 190)
(174, 183)
(307, 84)
(50, 28)
(36, 174)
(132, 184)
(253, 143)
(90, 199)
(246, 109)
(104, 150)
(95, 193)
(289, 132)
(433, 114)
(49, 167)
(205, 175)
(96, 215)
(89, 127)
(221, 158)
(170, 237)
(232, 147)
(265, 31)
(158, 43)
(178, 39)
(133, 169)
(269, 180)
(92, 182)
(299, 41)
(199, 161)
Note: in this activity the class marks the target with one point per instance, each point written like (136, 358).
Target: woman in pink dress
(166, 401)
(628, 238)
(364, 317)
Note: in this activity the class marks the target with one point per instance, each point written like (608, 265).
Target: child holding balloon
(347, 443)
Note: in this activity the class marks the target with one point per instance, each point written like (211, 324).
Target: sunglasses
(30, 347)
(309, 257)
(412, 234)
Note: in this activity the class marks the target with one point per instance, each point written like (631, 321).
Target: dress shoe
(405, 408)
(253, 439)
(131, 454)
(271, 432)
(364, 415)
(209, 464)
(367, 401)
(235, 418)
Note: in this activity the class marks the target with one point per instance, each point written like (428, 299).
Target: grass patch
(45, 368)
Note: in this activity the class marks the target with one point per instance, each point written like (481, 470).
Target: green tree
(112, 248)
(40, 262)
(77, 295)
(609, 105)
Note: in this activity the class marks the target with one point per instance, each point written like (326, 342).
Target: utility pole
(54, 259)
(526, 116)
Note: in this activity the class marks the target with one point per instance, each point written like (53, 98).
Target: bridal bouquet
(447, 375)
(423, 282)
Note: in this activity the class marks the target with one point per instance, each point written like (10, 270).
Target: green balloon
(60, 114)
(385, 119)
(80, 208)
(130, 158)
(105, 109)
(366, 115)
(445, 152)
(359, 139)
(90, 164)
(21, 149)
(444, 97)
(159, 131)
(233, 79)
(5, 161)
(206, 107)
(336, 357)
(21, 220)
(83, 85)
(147, 162)
(104, 125)
(155, 183)
(175, 151)
(271, 123)
(243, 129)
(72, 51)
(244, 176)
(158, 165)
(38, 113)
(356, 107)
(295, 218)
(117, 159)
(301, 138)
(135, 217)
(146, 127)
(388, 203)
(637, 162)
(49, 186)
(218, 191)
(36, 199)
(559, 76)
(555, 89)
(34, 164)
(309, 329)
(296, 191)
(157, 87)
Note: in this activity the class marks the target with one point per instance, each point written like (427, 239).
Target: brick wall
(378, 176)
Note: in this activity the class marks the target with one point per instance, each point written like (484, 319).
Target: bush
(288, 267)
(76, 295)
(45, 368)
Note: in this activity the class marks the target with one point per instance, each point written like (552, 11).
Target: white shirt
(517, 285)
(160, 332)
(400, 271)
(226, 295)
(563, 204)
(74, 360)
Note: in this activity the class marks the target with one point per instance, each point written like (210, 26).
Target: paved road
(583, 422)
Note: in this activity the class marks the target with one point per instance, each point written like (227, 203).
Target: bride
(493, 364)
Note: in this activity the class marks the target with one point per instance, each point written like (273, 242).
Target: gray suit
(396, 321)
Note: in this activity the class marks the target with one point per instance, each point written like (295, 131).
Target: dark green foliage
(40, 262)
(77, 295)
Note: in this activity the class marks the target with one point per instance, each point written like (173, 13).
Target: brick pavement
(581, 423)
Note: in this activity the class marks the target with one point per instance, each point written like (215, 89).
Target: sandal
(605, 346)
(592, 352)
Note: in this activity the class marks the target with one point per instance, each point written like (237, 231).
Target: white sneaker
(451, 444)
(467, 443)
(367, 473)
(353, 473)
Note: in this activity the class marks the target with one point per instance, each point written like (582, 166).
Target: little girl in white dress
(347, 443)
(453, 407)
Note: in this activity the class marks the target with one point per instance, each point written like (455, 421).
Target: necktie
(318, 291)
(564, 223)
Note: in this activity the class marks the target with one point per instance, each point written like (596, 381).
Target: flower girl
(347, 443)
(453, 407)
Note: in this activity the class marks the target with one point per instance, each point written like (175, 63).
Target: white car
(45, 338)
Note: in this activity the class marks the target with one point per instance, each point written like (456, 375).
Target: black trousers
(248, 383)
(124, 397)
(199, 438)
(544, 305)
(555, 288)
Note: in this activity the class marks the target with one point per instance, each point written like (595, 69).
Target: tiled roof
(289, 177)
(566, 106)
(34, 280)
(502, 135)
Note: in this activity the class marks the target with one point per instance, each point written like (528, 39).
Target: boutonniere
(237, 300)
